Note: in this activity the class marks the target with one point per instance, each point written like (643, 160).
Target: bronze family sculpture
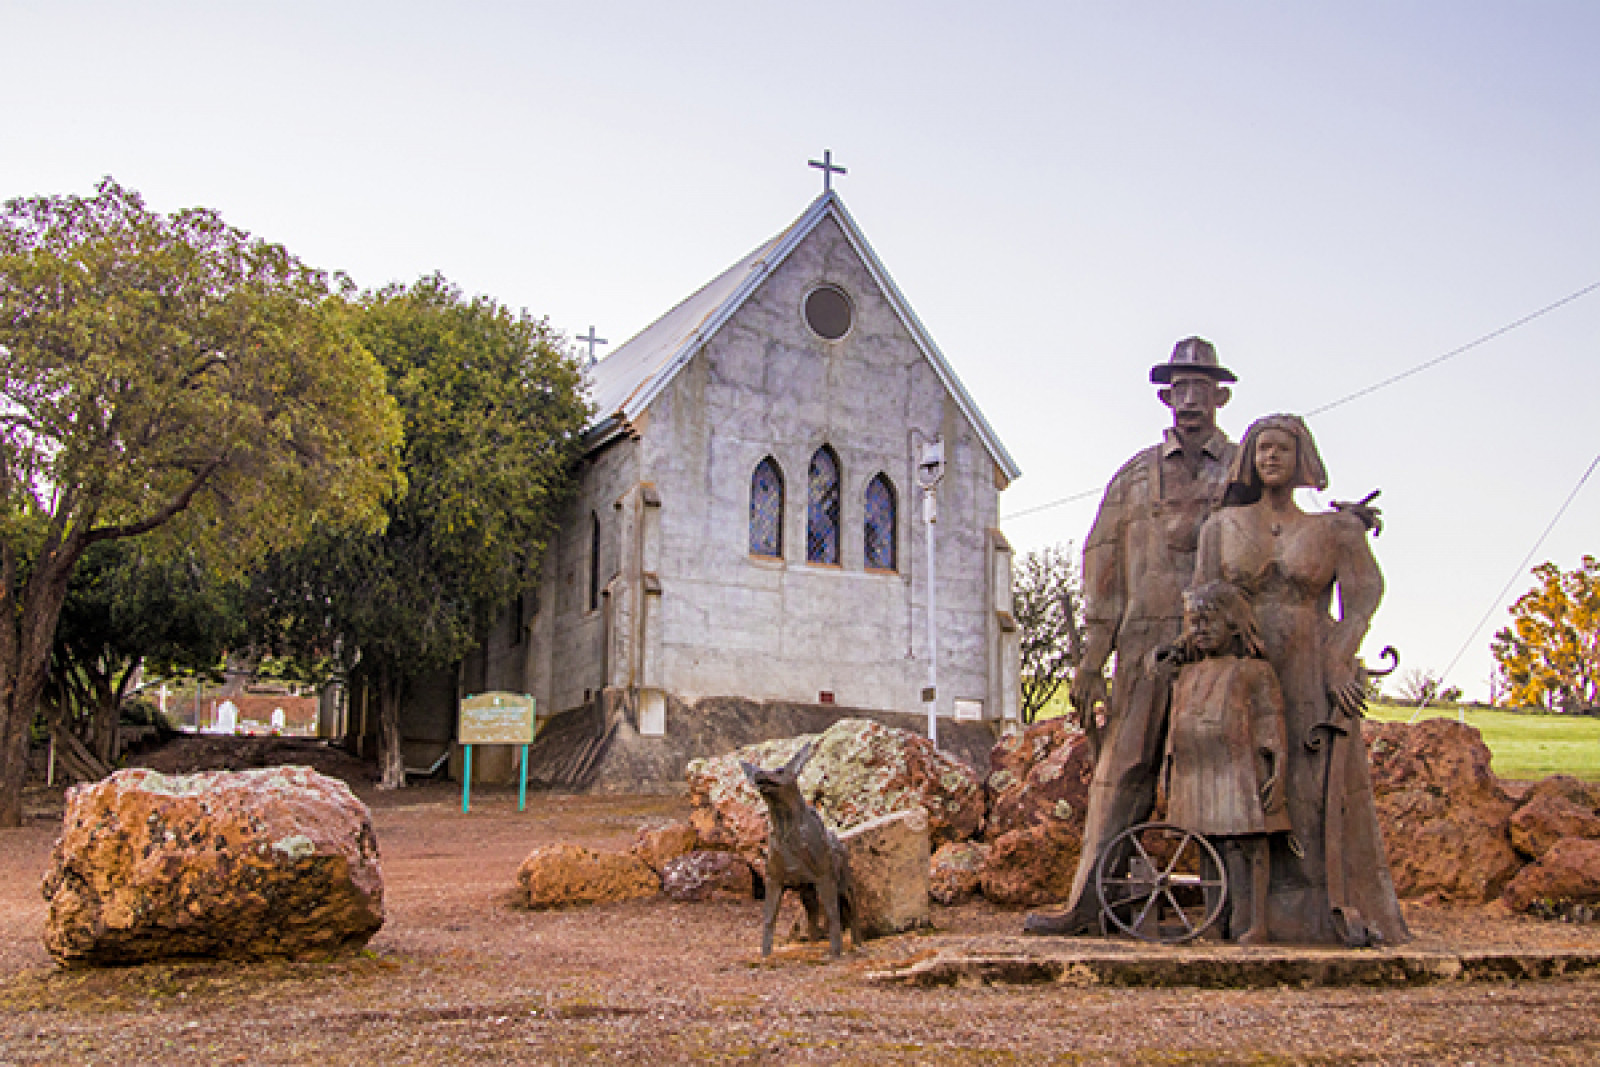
(1198, 509)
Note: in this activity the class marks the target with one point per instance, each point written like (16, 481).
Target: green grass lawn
(1524, 746)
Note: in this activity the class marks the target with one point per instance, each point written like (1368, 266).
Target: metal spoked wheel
(1159, 882)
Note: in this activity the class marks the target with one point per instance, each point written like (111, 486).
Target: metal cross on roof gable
(827, 168)
(592, 340)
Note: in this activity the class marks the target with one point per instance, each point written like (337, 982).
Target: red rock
(1443, 814)
(888, 858)
(1567, 875)
(859, 770)
(1573, 790)
(955, 872)
(1546, 819)
(1031, 867)
(659, 845)
(1038, 776)
(702, 875)
(280, 861)
(559, 876)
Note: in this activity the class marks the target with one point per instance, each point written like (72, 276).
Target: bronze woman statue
(1330, 881)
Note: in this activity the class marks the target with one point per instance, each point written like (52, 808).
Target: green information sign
(496, 719)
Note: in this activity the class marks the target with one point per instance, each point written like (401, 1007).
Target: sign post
(496, 719)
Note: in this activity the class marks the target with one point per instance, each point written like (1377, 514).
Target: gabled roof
(626, 381)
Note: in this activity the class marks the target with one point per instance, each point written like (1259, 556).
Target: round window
(828, 312)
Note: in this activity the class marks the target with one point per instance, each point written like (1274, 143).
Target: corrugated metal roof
(626, 381)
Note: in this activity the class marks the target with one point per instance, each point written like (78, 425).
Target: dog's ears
(800, 759)
(750, 771)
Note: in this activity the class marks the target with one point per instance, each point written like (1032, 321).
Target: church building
(746, 555)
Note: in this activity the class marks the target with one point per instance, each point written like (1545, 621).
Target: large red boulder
(1545, 818)
(703, 875)
(1038, 777)
(1567, 877)
(1443, 814)
(1031, 867)
(858, 770)
(1038, 790)
(280, 861)
(955, 872)
(560, 876)
(659, 845)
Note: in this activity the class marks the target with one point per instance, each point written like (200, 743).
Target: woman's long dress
(1290, 577)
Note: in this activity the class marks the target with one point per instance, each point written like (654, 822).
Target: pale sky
(1331, 193)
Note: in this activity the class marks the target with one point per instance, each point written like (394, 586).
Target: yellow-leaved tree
(1549, 656)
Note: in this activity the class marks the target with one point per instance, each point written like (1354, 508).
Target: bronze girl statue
(1226, 748)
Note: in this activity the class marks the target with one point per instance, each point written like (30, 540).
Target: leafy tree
(493, 412)
(1048, 605)
(125, 607)
(163, 375)
(1549, 656)
(1427, 687)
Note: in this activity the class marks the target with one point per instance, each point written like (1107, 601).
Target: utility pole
(930, 472)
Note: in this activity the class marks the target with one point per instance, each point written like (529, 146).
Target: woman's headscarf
(1244, 484)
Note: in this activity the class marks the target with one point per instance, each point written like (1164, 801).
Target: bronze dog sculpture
(803, 855)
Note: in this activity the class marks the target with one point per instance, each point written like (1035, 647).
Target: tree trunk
(390, 759)
(104, 719)
(27, 632)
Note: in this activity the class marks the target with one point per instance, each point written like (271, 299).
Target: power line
(1453, 353)
(1419, 368)
(1515, 575)
(1052, 504)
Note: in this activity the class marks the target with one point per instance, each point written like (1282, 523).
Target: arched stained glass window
(879, 541)
(766, 509)
(822, 508)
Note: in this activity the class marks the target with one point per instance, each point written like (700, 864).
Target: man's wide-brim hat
(1193, 355)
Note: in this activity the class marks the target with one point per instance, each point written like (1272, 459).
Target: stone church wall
(785, 629)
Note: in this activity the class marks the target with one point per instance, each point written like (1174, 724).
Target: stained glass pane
(880, 524)
(822, 509)
(766, 510)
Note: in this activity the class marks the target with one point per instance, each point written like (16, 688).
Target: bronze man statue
(1137, 562)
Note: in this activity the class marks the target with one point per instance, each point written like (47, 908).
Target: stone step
(1118, 964)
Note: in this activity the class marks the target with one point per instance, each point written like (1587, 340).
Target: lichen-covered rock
(1567, 875)
(1443, 814)
(702, 875)
(888, 858)
(1033, 866)
(1038, 776)
(559, 876)
(1547, 817)
(280, 861)
(859, 770)
(955, 872)
(659, 845)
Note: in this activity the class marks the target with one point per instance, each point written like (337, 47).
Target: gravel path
(457, 975)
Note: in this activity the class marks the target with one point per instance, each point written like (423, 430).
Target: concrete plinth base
(1083, 962)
